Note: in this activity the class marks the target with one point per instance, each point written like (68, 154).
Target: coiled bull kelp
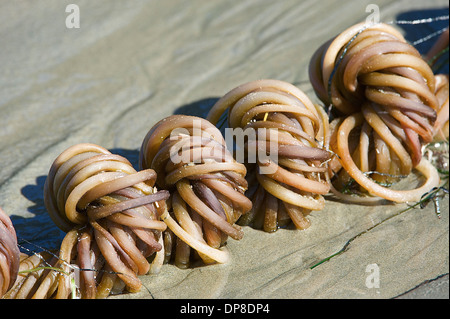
(110, 213)
(9, 253)
(207, 187)
(288, 174)
(382, 93)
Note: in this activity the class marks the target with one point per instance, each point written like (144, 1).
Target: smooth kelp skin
(287, 173)
(207, 187)
(382, 95)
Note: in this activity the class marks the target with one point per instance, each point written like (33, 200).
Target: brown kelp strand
(440, 47)
(284, 151)
(439, 51)
(78, 270)
(441, 128)
(111, 215)
(384, 107)
(207, 188)
(32, 274)
(9, 254)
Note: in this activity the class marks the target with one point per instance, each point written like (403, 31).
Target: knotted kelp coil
(283, 152)
(383, 103)
(207, 187)
(441, 127)
(77, 270)
(9, 254)
(437, 53)
(111, 215)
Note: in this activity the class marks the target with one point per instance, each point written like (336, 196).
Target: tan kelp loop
(441, 127)
(9, 254)
(287, 178)
(207, 185)
(382, 94)
(111, 215)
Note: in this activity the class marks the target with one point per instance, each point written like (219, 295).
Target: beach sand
(132, 63)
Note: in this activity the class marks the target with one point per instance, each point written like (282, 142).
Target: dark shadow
(39, 231)
(416, 32)
(199, 108)
(130, 155)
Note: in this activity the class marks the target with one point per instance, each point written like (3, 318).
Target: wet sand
(132, 63)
